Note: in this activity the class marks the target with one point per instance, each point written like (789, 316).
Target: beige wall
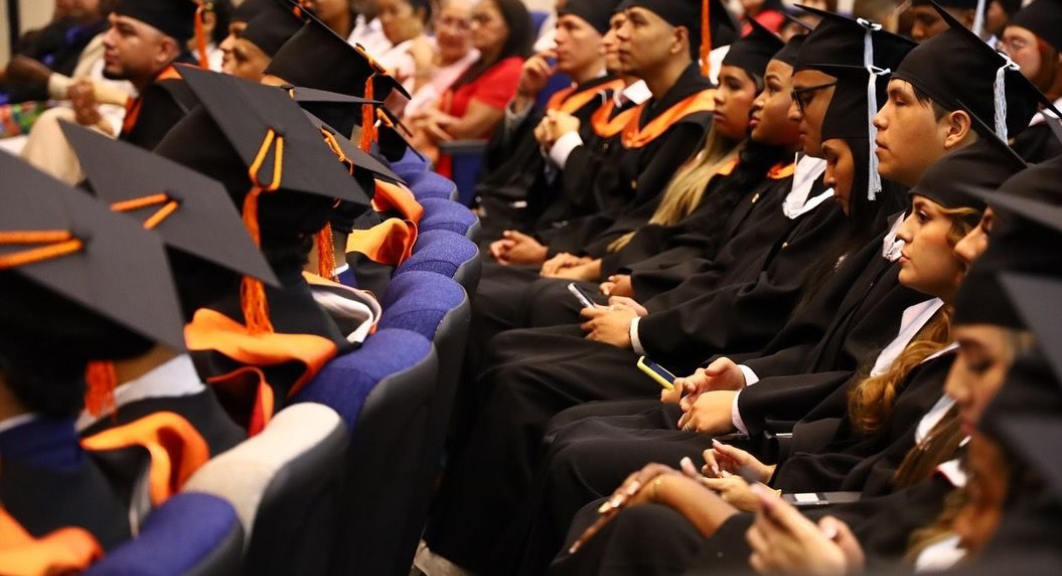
(34, 14)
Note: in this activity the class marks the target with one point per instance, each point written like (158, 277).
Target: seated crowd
(770, 292)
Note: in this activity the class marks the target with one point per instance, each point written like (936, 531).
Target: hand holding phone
(657, 372)
(581, 295)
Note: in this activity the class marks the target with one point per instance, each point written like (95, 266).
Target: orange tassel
(368, 118)
(252, 292)
(706, 38)
(326, 258)
(100, 380)
(200, 36)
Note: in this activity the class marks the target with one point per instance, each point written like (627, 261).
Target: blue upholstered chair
(442, 214)
(286, 484)
(384, 392)
(409, 165)
(432, 185)
(190, 535)
(447, 253)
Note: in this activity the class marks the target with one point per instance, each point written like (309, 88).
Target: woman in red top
(475, 103)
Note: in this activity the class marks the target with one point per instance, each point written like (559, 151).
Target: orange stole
(781, 171)
(133, 105)
(176, 448)
(213, 331)
(605, 125)
(64, 551)
(398, 198)
(569, 101)
(635, 137)
(391, 241)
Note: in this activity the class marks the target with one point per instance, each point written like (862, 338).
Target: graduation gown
(151, 115)
(200, 408)
(515, 169)
(632, 175)
(48, 482)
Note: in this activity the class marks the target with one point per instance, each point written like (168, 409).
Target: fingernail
(830, 532)
(604, 507)
(634, 488)
(715, 469)
(574, 548)
(716, 443)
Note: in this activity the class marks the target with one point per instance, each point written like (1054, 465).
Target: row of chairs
(339, 482)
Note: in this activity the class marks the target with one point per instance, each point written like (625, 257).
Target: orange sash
(782, 171)
(569, 101)
(605, 125)
(64, 551)
(210, 330)
(635, 137)
(177, 449)
(399, 198)
(133, 105)
(389, 242)
(728, 168)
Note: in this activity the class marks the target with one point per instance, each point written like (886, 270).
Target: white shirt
(172, 379)
(636, 93)
(940, 556)
(369, 35)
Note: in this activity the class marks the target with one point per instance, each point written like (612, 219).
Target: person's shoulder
(505, 69)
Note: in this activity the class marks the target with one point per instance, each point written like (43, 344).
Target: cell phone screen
(659, 370)
(580, 295)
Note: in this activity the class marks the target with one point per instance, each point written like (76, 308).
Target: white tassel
(999, 89)
(979, 19)
(873, 178)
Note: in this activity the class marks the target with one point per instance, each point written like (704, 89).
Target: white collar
(805, 174)
(350, 305)
(914, 318)
(952, 470)
(1039, 117)
(16, 421)
(891, 246)
(636, 93)
(172, 379)
(341, 269)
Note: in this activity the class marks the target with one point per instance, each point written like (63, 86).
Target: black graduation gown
(48, 482)
(292, 310)
(1039, 142)
(630, 181)
(203, 411)
(515, 169)
(162, 105)
(529, 376)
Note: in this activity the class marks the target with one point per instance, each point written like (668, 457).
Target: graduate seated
(73, 276)
(280, 173)
(259, 29)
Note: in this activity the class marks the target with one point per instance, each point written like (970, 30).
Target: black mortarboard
(984, 166)
(77, 276)
(594, 12)
(317, 57)
(1028, 227)
(202, 221)
(956, 64)
(1043, 18)
(753, 51)
(248, 9)
(174, 18)
(791, 50)
(839, 40)
(340, 111)
(847, 117)
(722, 30)
(363, 161)
(961, 4)
(273, 25)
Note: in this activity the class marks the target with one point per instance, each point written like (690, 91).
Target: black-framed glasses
(803, 96)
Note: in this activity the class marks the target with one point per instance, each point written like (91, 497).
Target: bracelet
(655, 494)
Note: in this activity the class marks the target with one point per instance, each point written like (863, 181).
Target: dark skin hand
(27, 70)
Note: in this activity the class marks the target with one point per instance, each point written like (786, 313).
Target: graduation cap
(753, 51)
(1043, 18)
(359, 160)
(77, 278)
(957, 64)
(317, 57)
(839, 40)
(791, 50)
(982, 166)
(710, 24)
(175, 18)
(273, 162)
(275, 22)
(596, 13)
(190, 212)
(341, 111)
(1028, 227)
(248, 9)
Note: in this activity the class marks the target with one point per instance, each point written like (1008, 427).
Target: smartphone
(657, 372)
(581, 295)
(816, 499)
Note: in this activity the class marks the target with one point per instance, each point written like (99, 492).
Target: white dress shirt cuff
(636, 343)
(750, 376)
(563, 148)
(735, 416)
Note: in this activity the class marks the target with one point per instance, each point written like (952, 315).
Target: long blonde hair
(686, 189)
(871, 401)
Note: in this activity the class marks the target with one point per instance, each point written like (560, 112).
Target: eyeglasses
(803, 96)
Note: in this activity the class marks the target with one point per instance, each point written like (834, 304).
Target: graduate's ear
(168, 50)
(959, 128)
(680, 40)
